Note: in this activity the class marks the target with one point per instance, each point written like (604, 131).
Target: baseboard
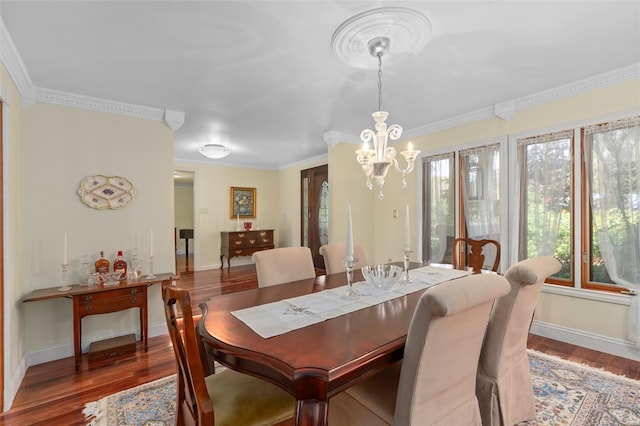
(13, 384)
(53, 353)
(588, 340)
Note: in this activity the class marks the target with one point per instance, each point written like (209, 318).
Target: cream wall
(211, 198)
(14, 318)
(61, 146)
(565, 312)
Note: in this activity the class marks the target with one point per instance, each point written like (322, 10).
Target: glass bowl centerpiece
(382, 276)
(111, 278)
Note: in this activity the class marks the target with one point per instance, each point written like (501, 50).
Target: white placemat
(272, 319)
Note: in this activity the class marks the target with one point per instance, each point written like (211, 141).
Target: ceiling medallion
(410, 31)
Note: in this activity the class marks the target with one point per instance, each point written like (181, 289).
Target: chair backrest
(281, 265)
(508, 329)
(471, 252)
(437, 380)
(335, 253)
(194, 405)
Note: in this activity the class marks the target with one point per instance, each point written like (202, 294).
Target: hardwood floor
(55, 394)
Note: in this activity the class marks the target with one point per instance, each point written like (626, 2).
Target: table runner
(275, 318)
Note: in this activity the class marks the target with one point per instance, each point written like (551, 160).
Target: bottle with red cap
(120, 265)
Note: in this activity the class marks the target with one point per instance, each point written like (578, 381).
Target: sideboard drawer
(244, 243)
(111, 301)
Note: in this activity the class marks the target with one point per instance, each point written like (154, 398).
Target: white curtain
(480, 169)
(613, 163)
(544, 163)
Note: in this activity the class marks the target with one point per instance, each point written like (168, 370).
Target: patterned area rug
(566, 394)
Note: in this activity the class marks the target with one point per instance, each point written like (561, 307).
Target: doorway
(183, 220)
(314, 211)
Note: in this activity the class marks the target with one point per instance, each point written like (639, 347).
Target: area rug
(566, 394)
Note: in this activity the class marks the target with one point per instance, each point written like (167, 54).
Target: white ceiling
(260, 76)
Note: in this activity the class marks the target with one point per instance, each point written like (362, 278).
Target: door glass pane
(305, 211)
(323, 214)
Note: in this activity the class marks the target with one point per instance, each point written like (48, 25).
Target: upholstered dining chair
(224, 398)
(471, 252)
(504, 387)
(281, 265)
(435, 382)
(335, 253)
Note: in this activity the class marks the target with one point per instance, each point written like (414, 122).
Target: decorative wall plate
(106, 192)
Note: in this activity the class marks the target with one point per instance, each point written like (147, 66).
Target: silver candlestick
(64, 286)
(351, 294)
(150, 276)
(406, 253)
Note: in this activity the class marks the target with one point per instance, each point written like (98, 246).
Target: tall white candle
(349, 236)
(64, 256)
(238, 222)
(407, 232)
(151, 243)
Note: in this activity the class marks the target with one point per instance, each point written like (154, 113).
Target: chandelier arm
(394, 131)
(366, 135)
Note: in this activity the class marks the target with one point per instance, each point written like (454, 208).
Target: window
(438, 206)
(547, 173)
(611, 207)
(545, 225)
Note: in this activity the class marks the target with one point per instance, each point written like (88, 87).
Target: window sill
(600, 296)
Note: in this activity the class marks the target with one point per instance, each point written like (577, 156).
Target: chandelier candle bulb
(349, 235)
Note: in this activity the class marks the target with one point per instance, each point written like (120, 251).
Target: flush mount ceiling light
(371, 34)
(214, 150)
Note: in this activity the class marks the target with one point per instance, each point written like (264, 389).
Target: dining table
(317, 361)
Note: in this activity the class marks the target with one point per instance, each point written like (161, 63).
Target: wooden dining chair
(335, 253)
(503, 386)
(285, 264)
(224, 398)
(435, 382)
(471, 252)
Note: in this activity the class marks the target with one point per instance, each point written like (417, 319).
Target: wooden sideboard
(101, 299)
(243, 243)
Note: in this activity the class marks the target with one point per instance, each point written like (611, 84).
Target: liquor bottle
(102, 264)
(120, 265)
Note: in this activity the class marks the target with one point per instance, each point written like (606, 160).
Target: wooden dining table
(318, 361)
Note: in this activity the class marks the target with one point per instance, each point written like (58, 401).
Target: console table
(100, 299)
(243, 243)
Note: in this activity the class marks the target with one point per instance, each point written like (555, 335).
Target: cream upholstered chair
(335, 253)
(281, 265)
(227, 397)
(435, 382)
(504, 388)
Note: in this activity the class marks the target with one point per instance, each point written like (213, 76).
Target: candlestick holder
(406, 253)
(150, 276)
(64, 286)
(351, 294)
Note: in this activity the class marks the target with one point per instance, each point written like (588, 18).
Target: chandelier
(356, 40)
(377, 161)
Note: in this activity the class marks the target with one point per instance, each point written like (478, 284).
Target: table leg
(222, 261)
(311, 412)
(77, 332)
(144, 325)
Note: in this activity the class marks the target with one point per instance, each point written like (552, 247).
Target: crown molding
(31, 94)
(12, 61)
(98, 104)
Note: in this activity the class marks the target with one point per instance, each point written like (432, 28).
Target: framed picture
(242, 202)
